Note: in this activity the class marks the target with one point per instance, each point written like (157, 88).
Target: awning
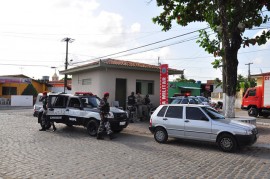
(185, 87)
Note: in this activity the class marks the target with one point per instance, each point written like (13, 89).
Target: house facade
(119, 78)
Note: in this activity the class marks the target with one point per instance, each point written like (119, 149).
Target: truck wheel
(161, 135)
(92, 127)
(253, 112)
(227, 143)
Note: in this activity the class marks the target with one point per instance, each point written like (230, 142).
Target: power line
(144, 45)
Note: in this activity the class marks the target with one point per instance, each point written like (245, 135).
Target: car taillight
(150, 122)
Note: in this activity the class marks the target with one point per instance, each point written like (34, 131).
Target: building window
(145, 87)
(87, 81)
(9, 91)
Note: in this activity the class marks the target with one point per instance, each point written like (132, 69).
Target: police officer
(44, 100)
(104, 122)
(131, 105)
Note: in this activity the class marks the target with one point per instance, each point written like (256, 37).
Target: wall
(21, 100)
(105, 79)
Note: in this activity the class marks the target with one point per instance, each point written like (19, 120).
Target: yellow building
(16, 84)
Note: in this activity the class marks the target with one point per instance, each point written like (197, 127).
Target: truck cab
(253, 102)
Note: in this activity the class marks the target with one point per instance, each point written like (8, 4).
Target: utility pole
(67, 40)
(248, 70)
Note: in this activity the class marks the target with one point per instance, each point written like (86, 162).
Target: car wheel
(265, 115)
(92, 127)
(161, 135)
(227, 143)
(253, 112)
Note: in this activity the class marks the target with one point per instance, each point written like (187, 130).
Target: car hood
(116, 110)
(233, 123)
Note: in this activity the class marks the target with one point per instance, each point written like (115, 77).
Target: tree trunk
(231, 42)
(230, 67)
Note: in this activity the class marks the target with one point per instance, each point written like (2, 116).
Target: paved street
(68, 152)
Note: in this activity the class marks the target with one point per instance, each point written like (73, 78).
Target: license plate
(122, 123)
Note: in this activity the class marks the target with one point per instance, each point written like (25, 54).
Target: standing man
(104, 108)
(131, 105)
(44, 100)
(139, 106)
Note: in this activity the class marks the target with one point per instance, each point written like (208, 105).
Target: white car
(200, 122)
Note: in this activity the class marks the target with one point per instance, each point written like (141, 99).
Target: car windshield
(213, 114)
(177, 101)
(91, 102)
(198, 101)
(203, 99)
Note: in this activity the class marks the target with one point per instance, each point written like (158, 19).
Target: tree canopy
(228, 20)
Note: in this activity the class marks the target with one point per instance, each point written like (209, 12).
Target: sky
(31, 33)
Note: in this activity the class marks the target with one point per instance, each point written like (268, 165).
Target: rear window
(162, 111)
(175, 112)
(58, 101)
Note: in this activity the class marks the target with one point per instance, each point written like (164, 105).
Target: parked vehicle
(82, 110)
(186, 100)
(204, 100)
(257, 100)
(200, 122)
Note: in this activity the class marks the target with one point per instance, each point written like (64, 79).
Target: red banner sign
(164, 84)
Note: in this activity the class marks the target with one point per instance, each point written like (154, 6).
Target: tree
(182, 78)
(228, 19)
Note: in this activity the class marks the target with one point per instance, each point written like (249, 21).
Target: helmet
(106, 94)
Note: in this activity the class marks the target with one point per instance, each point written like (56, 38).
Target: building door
(121, 92)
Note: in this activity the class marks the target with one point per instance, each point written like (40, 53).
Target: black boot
(112, 136)
(54, 129)
(42, 129)
(99, 137)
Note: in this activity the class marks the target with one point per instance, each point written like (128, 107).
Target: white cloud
(136, 27)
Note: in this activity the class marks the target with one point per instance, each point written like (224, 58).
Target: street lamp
(67, 40)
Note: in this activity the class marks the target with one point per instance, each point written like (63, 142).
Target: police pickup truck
(82, 110)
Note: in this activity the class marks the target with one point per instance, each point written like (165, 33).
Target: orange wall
(21, 86)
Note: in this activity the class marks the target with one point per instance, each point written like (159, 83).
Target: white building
(119, 78)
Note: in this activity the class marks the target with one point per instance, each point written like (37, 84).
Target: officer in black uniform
(104, 122)
(131, 105)
(44, 100)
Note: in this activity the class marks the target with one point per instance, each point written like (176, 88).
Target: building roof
(262, 74)
(119, 64)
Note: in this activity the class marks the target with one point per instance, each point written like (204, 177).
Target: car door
(56, 108)
(174, 122)
(74, 111)
(197, 124)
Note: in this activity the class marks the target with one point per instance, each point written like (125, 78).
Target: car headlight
(249, 132)
(110, 115)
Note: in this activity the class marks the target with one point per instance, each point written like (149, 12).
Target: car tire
(161, 135)
(253, 112)
(92, 127)
(265, 115)
(227, 143)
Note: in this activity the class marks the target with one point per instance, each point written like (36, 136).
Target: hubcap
(160, 135)
(226, 143)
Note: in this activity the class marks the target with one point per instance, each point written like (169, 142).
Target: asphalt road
(68, 152)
